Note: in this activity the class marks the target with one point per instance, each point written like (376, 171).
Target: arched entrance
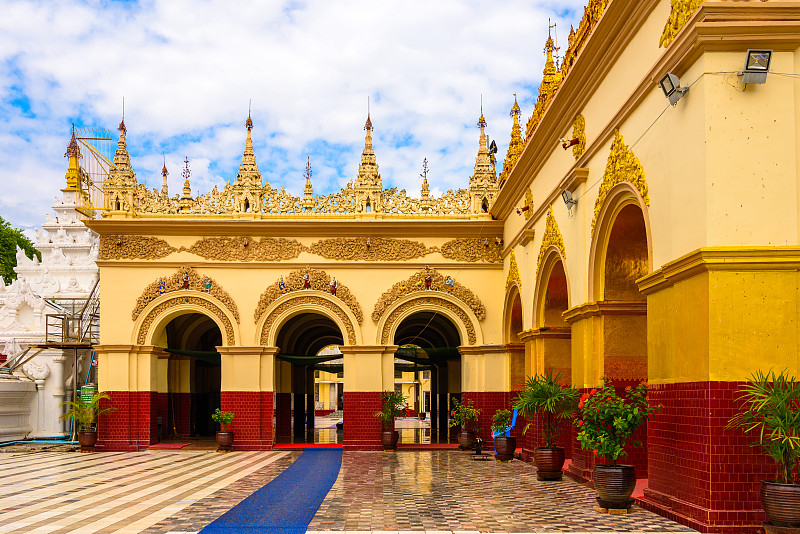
(307, 359)
(193, 376)
(428, 372)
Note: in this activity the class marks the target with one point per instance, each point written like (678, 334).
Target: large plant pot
(87, 440)
(389, 439)
(781, 502)
(225, 440)
(504, 448)
(614, 485)
(466, 440)
(549, 462)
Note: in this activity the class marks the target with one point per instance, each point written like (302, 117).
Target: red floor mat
(169, 445)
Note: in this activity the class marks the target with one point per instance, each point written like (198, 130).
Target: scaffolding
(96, 154)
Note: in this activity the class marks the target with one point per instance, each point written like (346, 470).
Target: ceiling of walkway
(308, 333)
(427, 330)
(193, 331)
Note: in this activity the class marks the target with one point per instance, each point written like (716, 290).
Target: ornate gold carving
(319, 280)
(416, 284)
(516, 144)
(177, 301)
(513, 273)
(591, 14)
(175, 282)
(622, 166)
(247, 248)
(579, 133)
(551, 81)
(529, 203)
(681, 12)
(365, 248)
(471, 249)
(305, 301)
(131, 247)
(552, 236)
(434, 301)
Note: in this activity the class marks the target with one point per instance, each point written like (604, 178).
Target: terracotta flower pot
(225, 441)
(781, 502)
(504, 448)
(87, 440)
(549, 462)
(389, 439)
(614, 485)
(466, 440)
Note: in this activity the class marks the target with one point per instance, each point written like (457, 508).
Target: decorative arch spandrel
(310, 301)
(184, 301)
(452, 308)
(552, 237)
(514, 278)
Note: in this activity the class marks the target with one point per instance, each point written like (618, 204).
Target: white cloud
(187, 70)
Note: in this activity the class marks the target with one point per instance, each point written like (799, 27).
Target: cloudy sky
(187, 71)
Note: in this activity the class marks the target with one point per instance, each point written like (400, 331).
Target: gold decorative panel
(177, 301)
(417, 284)
(429, 301)
(513, 273)
(622, 166)
(471, 249)
(552, 236)
(579, 133)
(184, 278)
(247, 248)
(680, 13)
(366, 248)
(294, 281)
(306, 301)
(132, 247)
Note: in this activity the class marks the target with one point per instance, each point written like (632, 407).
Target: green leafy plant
(223, 418)
(392, 404)
(771, 411)
(465, 415)
(84, 413)
(607, 421)
(501, 421)
(545, 395)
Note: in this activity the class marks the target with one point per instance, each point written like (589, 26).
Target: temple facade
(627, 237)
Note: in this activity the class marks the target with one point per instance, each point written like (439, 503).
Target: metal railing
(77, 322)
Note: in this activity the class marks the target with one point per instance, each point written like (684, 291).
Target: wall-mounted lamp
(522, 209)
(756, 66)
(671, 86)
(568, 200)
(566, 143)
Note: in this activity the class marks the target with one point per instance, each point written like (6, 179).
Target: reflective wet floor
(175, 491)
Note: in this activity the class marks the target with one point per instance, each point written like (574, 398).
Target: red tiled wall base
(283, 415)
(132, 424)
(534, 438)
(489, 402)
(701, 474)
(252, 418)
(583, 462)
(162, 411)
(323, 413)
(361, 429)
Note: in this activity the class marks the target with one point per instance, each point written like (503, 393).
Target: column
(310, 404)
(299, 401)
(368, 371)
(248, 390)
(283, 401)
(435, 404)
(59, 394)
(444, 405)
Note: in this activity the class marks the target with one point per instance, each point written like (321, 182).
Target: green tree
(10, 239)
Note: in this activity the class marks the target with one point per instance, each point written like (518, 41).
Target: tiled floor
(160, 492)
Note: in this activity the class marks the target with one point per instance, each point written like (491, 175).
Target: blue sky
(188, 70)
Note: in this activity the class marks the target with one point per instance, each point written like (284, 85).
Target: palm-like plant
(772, 411)
(391, 406)
(544, 394)
(83, 413)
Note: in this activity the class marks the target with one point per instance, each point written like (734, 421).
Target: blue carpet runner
(288, 503)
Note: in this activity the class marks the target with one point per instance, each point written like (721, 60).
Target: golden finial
(72, 147)
(121, 126)
(515, 108)
(164, 172)
(481, 120)
(368, 125)
(186, 173)
(308, 172)
(249, 122)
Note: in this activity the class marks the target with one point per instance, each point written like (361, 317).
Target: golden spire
(186, 198)
(164, 173)
(551, 81)
(308, 192)
(73, 170)
(516, 144)
(368, 175)
(484, 173)
(249, 174)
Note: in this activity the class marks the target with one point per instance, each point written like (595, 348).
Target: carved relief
(579, 133)
(622, 166)
(132, 247)
(552, 236)
(528, 203)
(577, 38)
(319, 280)
(176, 282)
(416, 284)
(513, 273)
(365, 248)
(434, 301)
(306, 301)
(247, 248)
(680, 13)
(471, 249)
(177, 301)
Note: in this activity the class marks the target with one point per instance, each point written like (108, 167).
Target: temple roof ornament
(483, 184)
(551, 81)
(577, 38)
(516, 144)
(186, 201)
(164, 173)
(73, 174)
(680, 13)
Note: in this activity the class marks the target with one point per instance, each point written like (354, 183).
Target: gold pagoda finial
(121, 127)
(516, 144)
(73, 170)
(164, 173)
(481, 120)
(249, 122)
(551, 81)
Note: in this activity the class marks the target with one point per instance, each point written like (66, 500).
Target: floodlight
(671, 86)
(756, 66)
(568, 200)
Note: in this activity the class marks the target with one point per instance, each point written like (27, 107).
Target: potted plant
(504, 444)
(392, 404)
(224, 436)
(605, 425)
(545, 396)
(83, 413)
(465, 415)
(771, 411)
